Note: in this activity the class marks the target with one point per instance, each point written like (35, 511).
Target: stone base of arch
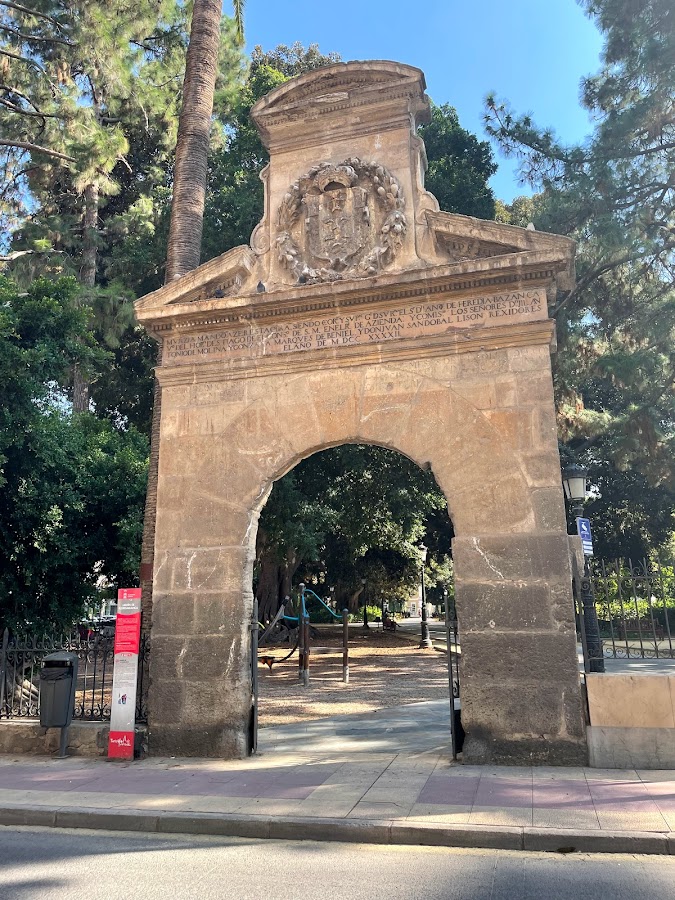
(484, 425)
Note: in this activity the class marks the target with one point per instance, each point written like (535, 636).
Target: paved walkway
(381, 778)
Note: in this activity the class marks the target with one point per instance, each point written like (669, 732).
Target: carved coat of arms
(344, 220)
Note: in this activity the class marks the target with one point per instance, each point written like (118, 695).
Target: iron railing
(635, 605)
(21, 659)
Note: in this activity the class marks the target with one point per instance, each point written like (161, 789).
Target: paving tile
(326, 808)
(349, 784)
(558, 773)
(199, 804)
(519, 773)
(491, 815)
(38, 798)
(575, 818)
(412, 782)
(445, 814)
(365, 810)
(662, 793)
(286, 792)
(617, 788)
(564, 793)
(651, 775)
(443, 789)
(625, 805)
(334, 794)
(263, 806)
(669, 816)
(497, 791)
(632, 820)
(611, 775)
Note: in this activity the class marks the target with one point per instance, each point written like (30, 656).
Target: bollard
(345, 646)
(301, 647)
(301, 633)
(305, 661)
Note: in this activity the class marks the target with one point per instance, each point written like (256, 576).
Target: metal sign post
(125, 674)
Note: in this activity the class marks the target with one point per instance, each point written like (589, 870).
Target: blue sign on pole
(584, 532)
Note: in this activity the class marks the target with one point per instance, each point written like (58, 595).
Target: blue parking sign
(584, 532)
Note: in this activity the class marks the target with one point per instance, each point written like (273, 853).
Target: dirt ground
(384, 670)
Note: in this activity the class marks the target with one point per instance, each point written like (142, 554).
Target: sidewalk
(381, 778)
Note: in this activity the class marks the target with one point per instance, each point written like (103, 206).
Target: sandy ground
(384, 671)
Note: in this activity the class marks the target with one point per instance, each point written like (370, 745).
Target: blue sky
(531, 52)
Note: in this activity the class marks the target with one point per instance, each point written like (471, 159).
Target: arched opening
(224, 448)
(361, 528)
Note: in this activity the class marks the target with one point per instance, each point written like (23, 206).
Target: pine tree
(615, 193)
(83, 86)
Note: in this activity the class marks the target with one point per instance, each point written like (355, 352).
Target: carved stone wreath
(354, 222)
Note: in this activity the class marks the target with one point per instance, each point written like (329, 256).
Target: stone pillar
(519, 675)
(199, 701)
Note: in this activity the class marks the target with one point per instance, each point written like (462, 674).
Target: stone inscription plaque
(358, 327)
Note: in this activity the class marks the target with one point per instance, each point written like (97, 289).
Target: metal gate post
(253, 736)
(345, 646)
(449, 636)
(3, 669)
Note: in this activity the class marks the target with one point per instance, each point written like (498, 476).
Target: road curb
(361, 831)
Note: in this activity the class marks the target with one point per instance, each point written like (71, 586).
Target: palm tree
(194, 128)
(187, 213)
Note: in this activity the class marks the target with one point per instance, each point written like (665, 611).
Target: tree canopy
(615, 193)
(351, 514)
(72, 488)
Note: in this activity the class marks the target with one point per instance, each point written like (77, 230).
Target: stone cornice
(518, 334)
(514, 270)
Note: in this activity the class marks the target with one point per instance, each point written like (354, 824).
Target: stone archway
(435, 344)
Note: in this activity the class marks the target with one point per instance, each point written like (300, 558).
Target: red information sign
(125, 674)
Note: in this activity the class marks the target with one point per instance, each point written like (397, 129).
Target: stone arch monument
(362, 313)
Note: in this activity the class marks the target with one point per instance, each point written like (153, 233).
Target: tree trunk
(150, 515)
(88, 279)
(194, 129)
(291, 566)
(185, 233)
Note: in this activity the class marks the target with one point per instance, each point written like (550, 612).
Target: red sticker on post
(125, 674)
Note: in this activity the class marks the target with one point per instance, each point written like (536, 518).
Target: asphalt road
(42, 864)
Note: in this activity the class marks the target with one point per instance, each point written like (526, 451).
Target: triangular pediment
(464, 238)
(335, 86)
(224, 276)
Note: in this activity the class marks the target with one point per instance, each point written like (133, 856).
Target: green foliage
(615, 194)
(108, 83)
(521, 211)
(635, 591)
(79, 80)
(351, 513)
(459, 165)
(72, 489)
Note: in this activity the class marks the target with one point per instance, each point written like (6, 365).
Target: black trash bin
(58, 677)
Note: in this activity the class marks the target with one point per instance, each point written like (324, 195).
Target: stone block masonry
(361, 313)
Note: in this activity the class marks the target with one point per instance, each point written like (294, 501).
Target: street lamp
(365, 608)
(574, 484)
(425, 642)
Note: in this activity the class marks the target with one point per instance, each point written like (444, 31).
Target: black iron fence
(21, 659)
(635, 605)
